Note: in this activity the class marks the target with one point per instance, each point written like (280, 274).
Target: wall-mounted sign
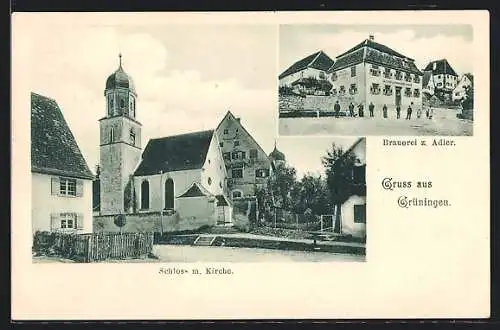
(396, 82)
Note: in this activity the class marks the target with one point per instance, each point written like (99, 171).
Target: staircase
(204, 240)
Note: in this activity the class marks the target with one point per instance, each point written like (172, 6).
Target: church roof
(120, 78)
(276, 154)
(318, 60)
(53, 147)
(470, 77)
(442, 67)
(175, 153)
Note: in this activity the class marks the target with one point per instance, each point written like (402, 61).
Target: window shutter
(54, 222)
(55, 185)
(79, 221)
(79, 188)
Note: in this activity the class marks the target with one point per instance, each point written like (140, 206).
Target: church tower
(120, 144)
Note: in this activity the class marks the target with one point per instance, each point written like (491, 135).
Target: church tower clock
(120, 144)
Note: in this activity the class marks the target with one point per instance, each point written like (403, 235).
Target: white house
(353, 210)
(444, 77)
(312, 66)
(467, 80)
(61, 180)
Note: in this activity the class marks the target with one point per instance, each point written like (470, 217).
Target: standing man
(408, 111)
(398, 111)
(336, 108)
(360, 110)
(384, 111)
(351, 109)
(370, 108)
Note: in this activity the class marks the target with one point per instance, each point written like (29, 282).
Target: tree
(339, 168)
(468, 101)
(120, 221)
(312, 193)
(281, 185)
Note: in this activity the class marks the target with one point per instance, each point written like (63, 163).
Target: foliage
(468, 102)
(339, 174)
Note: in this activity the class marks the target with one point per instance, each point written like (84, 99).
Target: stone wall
(153, 221)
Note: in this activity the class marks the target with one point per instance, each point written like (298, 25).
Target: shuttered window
(66, 221)
(62, 186)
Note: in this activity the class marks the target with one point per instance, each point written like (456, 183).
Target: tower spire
(120, 58)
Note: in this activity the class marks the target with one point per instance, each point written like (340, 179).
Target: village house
(459, 92)
(178, 182)
(308, 74)
(372, 72)
(444, 77)
(61, 182)
(248, 166)
(353, 210)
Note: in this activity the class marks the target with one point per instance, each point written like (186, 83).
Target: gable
(53, 147)
(318, 60)
(195, 190)
(230, 119)
(175, 153)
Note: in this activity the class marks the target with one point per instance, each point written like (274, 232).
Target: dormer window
(226, 131)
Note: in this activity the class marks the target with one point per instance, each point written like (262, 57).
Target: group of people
(371, 108)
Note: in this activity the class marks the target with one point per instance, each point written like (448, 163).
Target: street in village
(444, 123)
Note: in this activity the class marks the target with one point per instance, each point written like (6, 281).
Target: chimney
(371, 37)
(434, 65)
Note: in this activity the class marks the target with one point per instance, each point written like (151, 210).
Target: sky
(305, 153)
(423, 43)
(187, 77)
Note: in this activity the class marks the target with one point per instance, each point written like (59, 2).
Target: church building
(177, 182)
(372, 72)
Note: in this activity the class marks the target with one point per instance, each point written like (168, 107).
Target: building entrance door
(398, 96)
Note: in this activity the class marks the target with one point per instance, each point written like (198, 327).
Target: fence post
(89, 248)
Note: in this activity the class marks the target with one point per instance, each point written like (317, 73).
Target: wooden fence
(96, 246)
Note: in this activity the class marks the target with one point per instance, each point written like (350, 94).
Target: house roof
(53, 147)
(175, 153)
(375, 53)
(375, 45)
(427, 76)
(318, 60)
(442, 67)
(222, 200)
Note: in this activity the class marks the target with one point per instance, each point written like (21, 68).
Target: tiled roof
(53, 147)
(318, 60)
(378, 57)
(222, 200)
(375, 45)
(375, 53)
(442, 67)
(175, 153)
(348, 60)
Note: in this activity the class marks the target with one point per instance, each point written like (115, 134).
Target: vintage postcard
(376, 79)
(223, 158)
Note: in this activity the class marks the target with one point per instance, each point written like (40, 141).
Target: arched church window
(110, 105)
(132, 136)
(122, 103)
(209, 181)
(111, 134)
(145, 194)
(169, 194)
